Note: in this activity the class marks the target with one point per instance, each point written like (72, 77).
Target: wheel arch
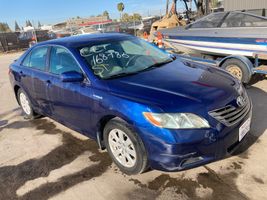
(16, 89)
(101, 125)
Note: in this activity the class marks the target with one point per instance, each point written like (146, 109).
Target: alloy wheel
(25, 104)
(122, 148)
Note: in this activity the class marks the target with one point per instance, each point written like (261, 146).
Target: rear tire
(26, 105)
(238, 69)
(125, 147)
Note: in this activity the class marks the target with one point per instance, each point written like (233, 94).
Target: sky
(53, 11)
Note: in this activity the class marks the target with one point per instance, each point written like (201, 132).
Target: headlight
(176, 120)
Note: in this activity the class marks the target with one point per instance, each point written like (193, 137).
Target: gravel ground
(42, 159)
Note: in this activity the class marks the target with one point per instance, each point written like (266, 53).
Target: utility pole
(167, 7)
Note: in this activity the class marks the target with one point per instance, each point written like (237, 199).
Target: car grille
(230, 115)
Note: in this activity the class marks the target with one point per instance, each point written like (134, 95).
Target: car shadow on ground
(13, 177)
(259, 120)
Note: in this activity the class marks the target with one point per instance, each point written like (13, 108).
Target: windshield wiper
(120, 75)
(132, 73)
(161, 63)
(156, 65)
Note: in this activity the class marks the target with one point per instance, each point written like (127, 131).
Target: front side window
(211, 21)
(244, 20)
(122, 57)
(36, 58)
(62, 61)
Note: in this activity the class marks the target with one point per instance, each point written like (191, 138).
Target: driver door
(70, 102)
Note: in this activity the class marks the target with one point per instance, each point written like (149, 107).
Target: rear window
(36, 58)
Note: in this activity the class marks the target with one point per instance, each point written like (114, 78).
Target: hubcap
(235, 71)
(25, 104)
(122, 148)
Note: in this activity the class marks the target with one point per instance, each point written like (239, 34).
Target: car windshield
(122, 57)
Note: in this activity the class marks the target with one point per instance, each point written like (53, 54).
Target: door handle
(48, 82)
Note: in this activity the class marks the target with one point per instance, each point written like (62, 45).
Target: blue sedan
(146, 107)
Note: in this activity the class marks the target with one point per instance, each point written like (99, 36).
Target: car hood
(179, 85)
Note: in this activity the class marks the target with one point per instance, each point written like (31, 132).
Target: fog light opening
(190, 161)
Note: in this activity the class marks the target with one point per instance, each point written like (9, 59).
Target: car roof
(80, 40)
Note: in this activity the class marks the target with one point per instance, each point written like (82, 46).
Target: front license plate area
(244, 129)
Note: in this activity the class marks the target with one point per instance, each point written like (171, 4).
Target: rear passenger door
(70, 101)
(37, 63)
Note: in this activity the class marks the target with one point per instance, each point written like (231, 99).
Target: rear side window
(37, 58)
(62, 61)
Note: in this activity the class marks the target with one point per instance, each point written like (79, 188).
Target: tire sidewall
(28, 116)
(141, 158)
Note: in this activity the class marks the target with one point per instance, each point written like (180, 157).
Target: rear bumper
(213, 146)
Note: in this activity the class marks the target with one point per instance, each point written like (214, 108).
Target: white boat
(221, 34)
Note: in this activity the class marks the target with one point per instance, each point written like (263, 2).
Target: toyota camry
(147, 108)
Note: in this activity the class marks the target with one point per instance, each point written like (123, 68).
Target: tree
(28, 23)
(106, 14)
(120, 8)
(137, 17)
(39, 24)
(125, 17)
(131, 18)
(214, 3)
(17, 28)
(7, 28)
(4, 27)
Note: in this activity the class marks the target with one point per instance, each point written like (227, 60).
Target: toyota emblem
(240, 101)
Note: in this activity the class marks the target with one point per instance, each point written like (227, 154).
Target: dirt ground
(42, 159)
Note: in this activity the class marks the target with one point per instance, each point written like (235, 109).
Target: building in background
(231, 5)
(81, 22)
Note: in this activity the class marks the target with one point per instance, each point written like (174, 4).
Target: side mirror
(71, 77)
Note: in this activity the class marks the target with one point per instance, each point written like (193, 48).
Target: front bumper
(198, 148)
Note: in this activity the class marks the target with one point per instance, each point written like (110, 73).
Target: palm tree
(120, 8)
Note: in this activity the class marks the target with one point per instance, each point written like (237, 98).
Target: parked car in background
(58, 34)
(39, 35)
(146, 107)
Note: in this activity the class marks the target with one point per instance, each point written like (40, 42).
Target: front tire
(125, 147)
(25, 105)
